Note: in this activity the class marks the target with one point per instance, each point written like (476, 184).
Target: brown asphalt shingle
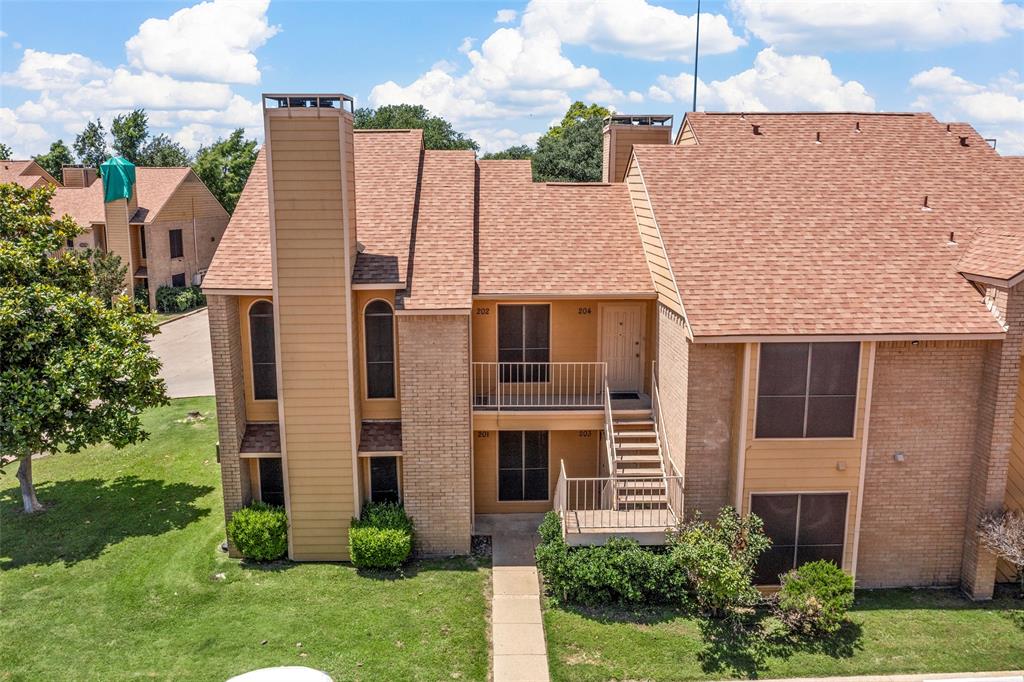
(380, 436)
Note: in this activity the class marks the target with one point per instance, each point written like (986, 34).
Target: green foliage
(108, 274)
(620, 571)
(571, 151)
(178, 299)
(578, 113)
(130, 132)
(162, 151)
(225, 165)
(73, 372)
(719, 558)
(5, 152)
(381, 537)
(140, 296)
(814, 599)
(259, 531)
(91, 144)
(515, 153)
(55, 159)
(437, 132)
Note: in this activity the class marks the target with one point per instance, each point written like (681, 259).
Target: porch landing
(597, 526)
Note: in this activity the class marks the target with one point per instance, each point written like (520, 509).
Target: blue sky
(502, 72)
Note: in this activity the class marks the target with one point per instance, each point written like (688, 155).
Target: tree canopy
(516, 152)
(55, 159)
(437, 132)
(5, 152)
(225, 165)
(91, 144)
(130, 132)
(571, 150)
(162, 151)
(73, 372)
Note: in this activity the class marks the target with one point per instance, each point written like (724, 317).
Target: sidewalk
(1002, 676)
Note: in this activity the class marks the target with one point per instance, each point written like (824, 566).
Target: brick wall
(226, 347)
(991, 460)
(436, 447)
(924, 404)
(709, 444)
(673, 380)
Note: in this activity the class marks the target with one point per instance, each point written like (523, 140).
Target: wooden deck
(597, 526)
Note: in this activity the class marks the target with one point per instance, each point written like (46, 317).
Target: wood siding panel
(654, 247)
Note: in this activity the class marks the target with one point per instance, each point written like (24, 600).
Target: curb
(190, 313)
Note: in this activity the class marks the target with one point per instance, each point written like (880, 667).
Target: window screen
(524, 336)
(384, 479)
(271, 481)
(177, 246)
(522, 465)
(803, 528)
(264, 357)
(807, 390)
(178, 280)
(379, 325)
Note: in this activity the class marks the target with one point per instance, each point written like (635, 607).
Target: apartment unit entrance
(622, 347)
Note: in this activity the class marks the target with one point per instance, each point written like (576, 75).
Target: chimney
(621, 132)
(311, 182)
(78, 176)
(119, 204)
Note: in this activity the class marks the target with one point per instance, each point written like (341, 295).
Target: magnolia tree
(73, 371)
(1003, 534)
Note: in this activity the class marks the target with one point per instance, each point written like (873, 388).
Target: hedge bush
(141, 296)
(814, 599)
(179, 299)
(381, 537)
(620, 571)
(259, 531)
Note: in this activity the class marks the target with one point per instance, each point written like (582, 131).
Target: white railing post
(551, 385)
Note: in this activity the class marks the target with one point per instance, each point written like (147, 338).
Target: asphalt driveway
(183, 347)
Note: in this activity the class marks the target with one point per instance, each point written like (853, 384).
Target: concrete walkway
(517, 631)
(1002, 676)
(183, 346)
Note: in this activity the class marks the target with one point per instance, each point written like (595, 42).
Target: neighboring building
(815, 317)
(166, 232)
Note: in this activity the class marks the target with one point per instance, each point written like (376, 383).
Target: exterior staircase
(638, 462)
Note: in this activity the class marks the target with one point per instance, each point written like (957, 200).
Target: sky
(503, 72)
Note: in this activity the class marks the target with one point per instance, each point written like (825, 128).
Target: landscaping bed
(121, 578)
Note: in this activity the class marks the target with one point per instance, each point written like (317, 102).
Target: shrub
(1002, 533)
(259, 531)
(621, 571)
(179, 299)
(141, 296)
(381, 537)
(718, 559)
(815, 598)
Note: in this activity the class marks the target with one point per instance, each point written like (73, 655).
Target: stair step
(637, 446)
(642, 499)
(638, 421)
(642, 487)
(622, 460)
(636, 434)
(640, 472)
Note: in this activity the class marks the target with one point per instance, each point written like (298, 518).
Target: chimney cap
(639, 119)
(308, 101)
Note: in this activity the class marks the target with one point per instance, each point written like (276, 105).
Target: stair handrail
(609, 431)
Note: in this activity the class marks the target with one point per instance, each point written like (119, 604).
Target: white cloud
(774, 83)
(634, 28)
(505, 16)
(24, 138)
(3, 34)
(877, 24)
(995, 109)
(48, 71)
(212, 41)
(496, 139)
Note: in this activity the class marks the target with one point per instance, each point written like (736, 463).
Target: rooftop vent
(856, 127)
(817, 137)
(925, 206)
(963, 141)
(756, 128)
(952, 240)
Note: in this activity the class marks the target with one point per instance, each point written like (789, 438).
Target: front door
(622, 345)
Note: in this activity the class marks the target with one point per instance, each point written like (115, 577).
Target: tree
(55, 160)
(577, 113)
(130, 132)
(73, 372)
(91, 144)
(1003, 534)
(573, 155)
(162, 151)
(109, 274)
(515, 152)
(5, 152)
(437, 132)
(225, 165)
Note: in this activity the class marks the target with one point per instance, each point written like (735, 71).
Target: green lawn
(121, 578)
(892, 631)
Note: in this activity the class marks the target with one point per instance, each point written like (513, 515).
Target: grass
(121, 578)
(891, 631)
(164, 318)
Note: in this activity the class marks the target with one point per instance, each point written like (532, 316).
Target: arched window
(264, 357)
(379, 330)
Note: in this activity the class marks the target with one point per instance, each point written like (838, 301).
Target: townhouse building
(813, 317)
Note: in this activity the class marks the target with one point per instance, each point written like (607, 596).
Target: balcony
(529, 386)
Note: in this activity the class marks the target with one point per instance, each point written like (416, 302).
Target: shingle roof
(26, 173)
(441, 275)
(83, 204)
(153, 187)
(380, 436)
(261, 438)
(555, 238)
(773, 234)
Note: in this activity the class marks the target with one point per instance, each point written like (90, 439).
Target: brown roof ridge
(810, 113)
(563, 183)
(389, 130)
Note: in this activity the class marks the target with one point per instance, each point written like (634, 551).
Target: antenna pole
(696, 55)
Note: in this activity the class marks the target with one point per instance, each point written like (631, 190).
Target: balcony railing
(538, 385)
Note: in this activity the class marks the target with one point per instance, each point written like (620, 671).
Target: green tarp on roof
(118, 178)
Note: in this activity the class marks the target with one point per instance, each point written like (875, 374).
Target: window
(142, 241)
(71, 243)
(271, 481)
(379, 336)
(178, 280)
(177, 247)
(803, 528)
(384, 479)
(264, 358)
(522, 466)
(807, 390)
(524, 336)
